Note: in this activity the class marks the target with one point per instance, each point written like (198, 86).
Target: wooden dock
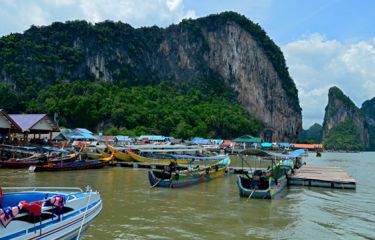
(317, 176)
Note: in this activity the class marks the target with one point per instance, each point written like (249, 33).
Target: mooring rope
(84, 215)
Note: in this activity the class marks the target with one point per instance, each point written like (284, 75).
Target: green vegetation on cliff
(311, 135)
(343, 136)
(161, 109)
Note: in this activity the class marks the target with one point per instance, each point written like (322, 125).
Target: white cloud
(20, 15)
(316, 64)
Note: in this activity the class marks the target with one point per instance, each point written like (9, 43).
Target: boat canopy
(296, 153)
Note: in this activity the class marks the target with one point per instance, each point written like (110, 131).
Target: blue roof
(82, 130)
(284, 144)
(152, 137)
(81, 136)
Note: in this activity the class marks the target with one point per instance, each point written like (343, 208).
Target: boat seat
(256, 178)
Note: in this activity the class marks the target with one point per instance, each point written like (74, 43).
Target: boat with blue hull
(47, 213)
(179, 179)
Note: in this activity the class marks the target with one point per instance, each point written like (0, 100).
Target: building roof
(107, 138)
(284, 144)
(74, 135)
(199, 140)
(82, 130)
(248, 139)
(27, 121)
(152, 137)
(6, 121)
(123, 138)
(266, 144)
(307, 146)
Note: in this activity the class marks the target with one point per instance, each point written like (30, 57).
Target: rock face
(368, 108)
(340, 109)
(225, 49)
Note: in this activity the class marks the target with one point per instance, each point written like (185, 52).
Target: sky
(325, 42)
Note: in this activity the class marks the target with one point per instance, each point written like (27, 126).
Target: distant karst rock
(344, 125)
(368, 108)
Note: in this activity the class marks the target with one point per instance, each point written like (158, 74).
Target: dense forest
(311, 135)
(160, 109)
(343, 136)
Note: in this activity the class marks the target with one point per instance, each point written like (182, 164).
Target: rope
(84, 215)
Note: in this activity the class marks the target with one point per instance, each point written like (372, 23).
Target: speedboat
(47, 213)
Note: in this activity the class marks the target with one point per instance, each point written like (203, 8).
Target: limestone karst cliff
(219, 50)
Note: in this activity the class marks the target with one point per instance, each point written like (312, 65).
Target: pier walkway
(318, 176)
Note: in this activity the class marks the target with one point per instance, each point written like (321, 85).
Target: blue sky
(325, 42)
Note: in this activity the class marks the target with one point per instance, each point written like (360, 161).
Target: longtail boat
(199, 158)
(37, 159)
(178, 179)
(159, 158)
(47, 213)
(120, 155)
(68, 166)
(103, 153)
(92, 154)
(265, 184)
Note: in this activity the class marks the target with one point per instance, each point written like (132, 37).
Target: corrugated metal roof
(81, 136)
(123, 138)
(82, 130)
(152, 137)
(26, 121)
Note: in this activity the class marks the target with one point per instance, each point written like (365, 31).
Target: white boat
(64, 213)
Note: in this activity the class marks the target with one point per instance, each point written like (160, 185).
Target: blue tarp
(199, 140)
(297, 153)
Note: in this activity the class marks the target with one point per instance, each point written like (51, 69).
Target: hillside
(88, 75)
(311, 135)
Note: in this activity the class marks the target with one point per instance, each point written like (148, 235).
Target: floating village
(35, 143)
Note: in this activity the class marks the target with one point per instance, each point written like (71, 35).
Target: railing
(34, 189)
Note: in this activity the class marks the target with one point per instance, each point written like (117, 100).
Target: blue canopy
(296, 153)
